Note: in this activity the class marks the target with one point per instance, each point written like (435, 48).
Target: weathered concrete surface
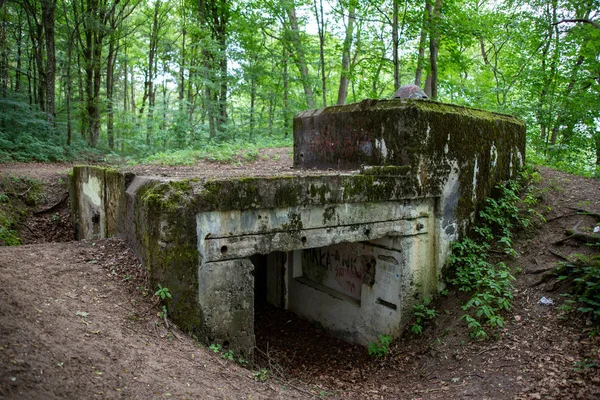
(352, 251)
(459, 152)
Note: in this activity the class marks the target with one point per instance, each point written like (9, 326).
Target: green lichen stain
(328, 215)
(388, 170)
(369, 187)
(288, 194)
(234, 194)
(166, 230)
(294, 224)
(320, 192)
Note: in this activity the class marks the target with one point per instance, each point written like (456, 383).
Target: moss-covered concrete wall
(430, 140)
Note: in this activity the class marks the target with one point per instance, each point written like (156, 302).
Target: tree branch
(582, 20)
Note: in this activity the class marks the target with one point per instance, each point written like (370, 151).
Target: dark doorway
(269, 279)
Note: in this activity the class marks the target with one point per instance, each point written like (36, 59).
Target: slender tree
(346, 54)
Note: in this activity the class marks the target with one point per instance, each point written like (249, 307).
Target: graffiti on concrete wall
(343, 267)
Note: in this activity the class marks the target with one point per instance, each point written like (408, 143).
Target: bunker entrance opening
(337, 286)
(317, 285)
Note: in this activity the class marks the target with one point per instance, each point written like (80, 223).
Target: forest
(176, 80)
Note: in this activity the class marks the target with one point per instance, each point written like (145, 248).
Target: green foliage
(234, 73)
(26, 134)
(228, 354)
(262, 375)
(163, 292)
(8, 235)
(491, 283)
(422, 314)
(584, 365)
(226, 152)
(17, 195)
(381, 347)
(583, 277)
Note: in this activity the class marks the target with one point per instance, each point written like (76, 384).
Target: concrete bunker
(350, 238)
(352, 268)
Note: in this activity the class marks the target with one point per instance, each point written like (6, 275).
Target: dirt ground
(77, 321)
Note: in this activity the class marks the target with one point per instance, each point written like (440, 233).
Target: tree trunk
(376, 75)
(48, 7)
(434, 38)
(125, 79)
(36, 35)
(286, 89)
(345, 71)
(94, 101)
(548, 75)
(321, 28)
(214, 18)
(151, 73)
(299, 56)
(252, 102)
(3, 55)
(30, 77)
(68, 89)
(83, 111)
(421, 50)
(597, 148)
(182, 67)
(132, 85)
(221, 35)
(19, 41)
(395, 45)
(163, 123)
(110, 85)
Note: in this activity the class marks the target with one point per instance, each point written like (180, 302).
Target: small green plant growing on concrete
(380, 347)
(422, 314)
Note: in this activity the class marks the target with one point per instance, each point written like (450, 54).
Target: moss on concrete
(388, 170)
(167, 229)
(423, 142)
(237, 194)
(288, 194)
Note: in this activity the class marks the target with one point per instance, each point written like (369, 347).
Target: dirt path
(74, 324)
(73, 327)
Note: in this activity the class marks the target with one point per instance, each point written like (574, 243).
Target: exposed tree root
(575, 233)
(54, 207)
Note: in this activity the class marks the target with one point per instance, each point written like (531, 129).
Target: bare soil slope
(74, 326)
(74, 323)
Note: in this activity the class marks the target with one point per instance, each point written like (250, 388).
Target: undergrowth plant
(17, 197)
(422, 313)
(228, 354)
(380, 347)
(583, 293)
(239, 151)
(490, 283)
(163, 294)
